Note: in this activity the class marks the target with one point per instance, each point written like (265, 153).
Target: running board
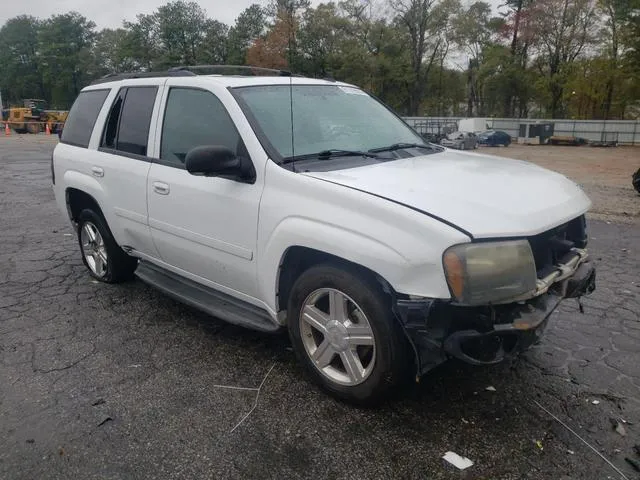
(208, 300)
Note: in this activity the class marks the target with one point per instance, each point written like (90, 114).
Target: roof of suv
(224, 80)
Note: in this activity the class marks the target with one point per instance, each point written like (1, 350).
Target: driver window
(194, 118)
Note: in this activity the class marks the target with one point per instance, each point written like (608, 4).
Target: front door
(204, 226)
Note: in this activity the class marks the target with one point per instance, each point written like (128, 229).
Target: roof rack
(190, 71)
(114, 77)
(244, 70)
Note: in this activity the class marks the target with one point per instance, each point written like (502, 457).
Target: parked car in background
(460, 141)
(494, 138)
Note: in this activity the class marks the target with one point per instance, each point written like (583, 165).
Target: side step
(208, 300)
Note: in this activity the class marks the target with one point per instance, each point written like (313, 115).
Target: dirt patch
(604, 174)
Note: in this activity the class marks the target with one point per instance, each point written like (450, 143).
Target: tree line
(538, 58)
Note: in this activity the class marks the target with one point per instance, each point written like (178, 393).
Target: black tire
(392, 365)
(120, 266)
(636, 181)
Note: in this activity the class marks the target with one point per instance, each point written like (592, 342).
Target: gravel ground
(604, 173)
(119, 381)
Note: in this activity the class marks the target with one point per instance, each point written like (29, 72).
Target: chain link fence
(623, 132)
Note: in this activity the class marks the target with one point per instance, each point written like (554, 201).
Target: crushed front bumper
(485, 335)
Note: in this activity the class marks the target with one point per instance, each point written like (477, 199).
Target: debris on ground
(596, 402)
(490, 389)
(569, 429)
(618, 426)
(633, 463)
(571, 452)
(108, 419)
(30, 440)
(100, 401)
(456, 460)
(539, 445)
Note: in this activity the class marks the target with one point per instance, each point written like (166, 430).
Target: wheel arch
(78, 200)
(297, 259)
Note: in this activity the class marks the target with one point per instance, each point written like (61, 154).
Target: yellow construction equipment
(32, 117)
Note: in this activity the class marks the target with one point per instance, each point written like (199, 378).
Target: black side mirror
(215, 160)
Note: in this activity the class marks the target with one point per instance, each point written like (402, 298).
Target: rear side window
(82, 118)
(127, 127)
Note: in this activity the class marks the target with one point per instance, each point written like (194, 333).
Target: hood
(483, 195)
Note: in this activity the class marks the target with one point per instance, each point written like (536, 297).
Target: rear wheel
(101, 254)
(342, 329)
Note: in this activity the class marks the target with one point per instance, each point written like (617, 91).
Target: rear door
(122, 165)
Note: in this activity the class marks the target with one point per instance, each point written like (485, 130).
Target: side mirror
(213, 160)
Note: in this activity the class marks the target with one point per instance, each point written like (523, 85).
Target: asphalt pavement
(121, 382)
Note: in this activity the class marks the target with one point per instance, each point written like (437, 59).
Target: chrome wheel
(337, 337)
(93, 249)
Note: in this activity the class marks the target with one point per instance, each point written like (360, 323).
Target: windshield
(325, 117)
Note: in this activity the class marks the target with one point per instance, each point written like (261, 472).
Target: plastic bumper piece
(484, 335)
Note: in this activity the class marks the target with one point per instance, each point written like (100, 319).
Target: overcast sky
(110, 13)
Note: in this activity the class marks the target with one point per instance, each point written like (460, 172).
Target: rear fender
(88, 185)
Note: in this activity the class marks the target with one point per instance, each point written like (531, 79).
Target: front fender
(404, 274)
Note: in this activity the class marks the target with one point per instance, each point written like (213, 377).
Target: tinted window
(82, 117)
(193, 118)
(111, 128)
(135, 119)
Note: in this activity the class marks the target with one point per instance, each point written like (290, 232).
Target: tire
(383, 363)
(636, 181)
(119, 266)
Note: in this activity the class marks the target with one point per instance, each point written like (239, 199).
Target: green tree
(20, 75)
(214, 47)
(473, 34)
(66, 64)
(110, 52)
(142, 44)
(562, 38)
(181, 31)
(422, 24)
(249, 26)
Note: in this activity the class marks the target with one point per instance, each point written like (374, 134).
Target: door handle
(161, 188)
(97, 171)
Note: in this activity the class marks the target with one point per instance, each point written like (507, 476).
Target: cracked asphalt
(115, 382)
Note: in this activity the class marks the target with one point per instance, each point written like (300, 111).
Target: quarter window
(82, 117)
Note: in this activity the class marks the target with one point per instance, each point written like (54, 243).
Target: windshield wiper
(326, 154)
(401, 146)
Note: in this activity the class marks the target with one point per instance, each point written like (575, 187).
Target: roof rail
(114, 77)
(190, 71)
(248, 70)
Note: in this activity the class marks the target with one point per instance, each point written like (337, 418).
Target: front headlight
(484, 273)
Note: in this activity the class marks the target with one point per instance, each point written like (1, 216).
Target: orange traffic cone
(7, 130)
(47, 130)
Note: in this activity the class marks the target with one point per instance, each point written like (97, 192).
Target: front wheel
(343, 330)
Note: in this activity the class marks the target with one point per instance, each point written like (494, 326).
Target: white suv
(273, 201)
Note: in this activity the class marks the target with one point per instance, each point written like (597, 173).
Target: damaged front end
(488, 334)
